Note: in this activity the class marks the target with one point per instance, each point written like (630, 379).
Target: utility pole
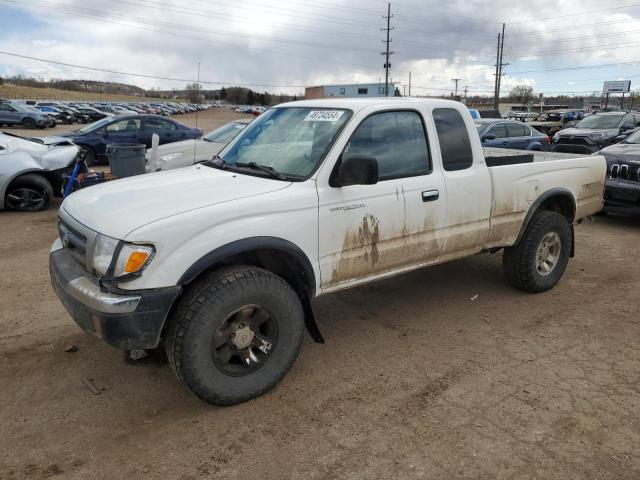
(466, 91)
(495, 88)
(409, 83)
(456, 80)
(499, 65)
(387, 53)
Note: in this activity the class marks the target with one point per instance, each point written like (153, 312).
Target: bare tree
(522, 94)
(192, 91)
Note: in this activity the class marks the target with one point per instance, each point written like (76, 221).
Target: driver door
(370, 231)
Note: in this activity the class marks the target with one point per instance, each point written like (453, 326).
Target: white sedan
(188, 152)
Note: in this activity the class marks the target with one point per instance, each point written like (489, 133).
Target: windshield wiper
(269, 170)
(217, 162)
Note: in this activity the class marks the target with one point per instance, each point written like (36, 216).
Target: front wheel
(537, 262)
(29, 193)
(29, 123)
(234, 334)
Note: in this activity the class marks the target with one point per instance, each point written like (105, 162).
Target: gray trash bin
(126, 159)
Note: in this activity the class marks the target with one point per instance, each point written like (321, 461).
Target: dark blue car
(95, 137)
(498, 133)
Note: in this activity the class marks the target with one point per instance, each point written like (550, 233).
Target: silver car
(187, 152)
(32, 170)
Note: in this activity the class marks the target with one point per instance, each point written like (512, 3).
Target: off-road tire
(204, 307)
(38, 184)
(519, 261)
(29, 123)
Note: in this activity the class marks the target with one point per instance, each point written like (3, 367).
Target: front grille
(624, 171)
(574, 141)
(74, 241)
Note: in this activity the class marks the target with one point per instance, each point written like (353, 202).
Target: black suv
(596, 132)
(622, 187)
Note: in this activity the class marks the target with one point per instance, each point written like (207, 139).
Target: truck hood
(543, 124)
(589, 132)
(621, 152)
(118, 207)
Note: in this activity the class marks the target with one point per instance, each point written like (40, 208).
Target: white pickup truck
(219, 262)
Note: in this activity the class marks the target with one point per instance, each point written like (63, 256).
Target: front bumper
(622, 197)
(124, 319)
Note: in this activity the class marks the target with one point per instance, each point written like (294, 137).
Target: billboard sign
(617, 86)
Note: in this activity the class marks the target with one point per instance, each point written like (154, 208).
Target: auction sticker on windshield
(323, 115)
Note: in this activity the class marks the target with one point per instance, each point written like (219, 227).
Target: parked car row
(43, 114)
(135, 128)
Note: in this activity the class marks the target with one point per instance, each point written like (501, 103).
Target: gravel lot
(442, 373)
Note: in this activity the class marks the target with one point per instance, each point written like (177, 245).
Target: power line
(558, 17)
(142, 75)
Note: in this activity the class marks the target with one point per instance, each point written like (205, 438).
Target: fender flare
(247, 245)
(554, 192)
(308, 282)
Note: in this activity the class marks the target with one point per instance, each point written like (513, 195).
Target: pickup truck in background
(219, 262)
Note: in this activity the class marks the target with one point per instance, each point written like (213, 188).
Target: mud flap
(573, 243)
(310, 320)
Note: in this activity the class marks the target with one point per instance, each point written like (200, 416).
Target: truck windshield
(600, 121)
(290, 140)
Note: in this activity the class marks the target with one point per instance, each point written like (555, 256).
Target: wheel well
(277, 261)
(49, 176)
(561, 204)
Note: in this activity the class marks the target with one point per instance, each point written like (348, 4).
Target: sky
(556, 47)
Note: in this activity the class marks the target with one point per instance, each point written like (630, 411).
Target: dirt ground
(442, 373)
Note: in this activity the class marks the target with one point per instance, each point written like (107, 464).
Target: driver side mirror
(358, 170)
(489, 136)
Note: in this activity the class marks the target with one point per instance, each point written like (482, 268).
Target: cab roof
(357, 104)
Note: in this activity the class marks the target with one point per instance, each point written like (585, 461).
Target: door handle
(430, 195)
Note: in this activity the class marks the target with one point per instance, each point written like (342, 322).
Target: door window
(126, 125)
(516, 130)
(397, 140)
(158, 124)
(6, 108)
(453, 136)
(628, 123)
(499, 130)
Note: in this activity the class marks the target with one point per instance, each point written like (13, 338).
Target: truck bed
(499, 157)
(519, 178)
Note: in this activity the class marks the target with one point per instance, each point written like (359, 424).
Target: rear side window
(398, 142)
(158, 124)
(454, 139)
(516, 130)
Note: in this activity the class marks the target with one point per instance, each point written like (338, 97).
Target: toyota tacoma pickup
(218, 263)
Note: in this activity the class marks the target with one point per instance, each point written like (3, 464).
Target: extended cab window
(453, 136)
(396, 140)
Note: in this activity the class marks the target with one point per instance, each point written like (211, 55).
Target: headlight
(131, 258)
(103, 249)
(556, 136)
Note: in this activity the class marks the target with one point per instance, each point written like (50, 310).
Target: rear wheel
(537, 262)
(29, 123)
(29, 193)
(234, 334)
